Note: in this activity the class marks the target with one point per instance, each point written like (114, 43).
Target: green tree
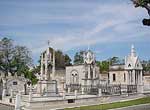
(61, 59)
(13, 58)
(104, 66)
(146, 65)
(114, 60)
(6, 54)
(78, 58)
(144, 4)
(67, 60)
(21, 59)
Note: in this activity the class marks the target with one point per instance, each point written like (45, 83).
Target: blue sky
(108, 26)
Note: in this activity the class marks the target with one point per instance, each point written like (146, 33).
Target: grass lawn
(113, 105)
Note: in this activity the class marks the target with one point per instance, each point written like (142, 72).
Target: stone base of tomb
(140, 89)
(60, 102)
(47, 88)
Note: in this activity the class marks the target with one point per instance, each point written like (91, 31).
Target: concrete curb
(101, 103)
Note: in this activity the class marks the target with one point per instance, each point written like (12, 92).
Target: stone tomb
(84, 76)
(47, 88)
(12, 85)
(47, 85)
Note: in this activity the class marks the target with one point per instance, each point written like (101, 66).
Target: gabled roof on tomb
(132, 61)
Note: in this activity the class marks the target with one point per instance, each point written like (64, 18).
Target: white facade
(130, 73)
(47, 85)
(146, 80)
(83, 74)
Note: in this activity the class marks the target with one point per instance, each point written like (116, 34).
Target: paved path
(105, 100)
(136, 107)
(5, 107)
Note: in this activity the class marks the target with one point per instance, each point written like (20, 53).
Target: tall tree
(13, 58)
(144, 4)
(78, 58)
(104, 65)
(6, 54)
(67, 60)
(146, 65)
(61, 59)
(114, 60)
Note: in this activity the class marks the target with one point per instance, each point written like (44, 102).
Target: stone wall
(79, 69)
(60, 78)
(119, 77)
(146, 80)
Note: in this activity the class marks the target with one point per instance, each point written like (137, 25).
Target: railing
(114, 89)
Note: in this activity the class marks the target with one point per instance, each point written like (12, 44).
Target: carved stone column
(53, 68)
(46, 67)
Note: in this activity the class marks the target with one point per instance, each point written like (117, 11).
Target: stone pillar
(141, 77)
(30, 94)
(138, 77)
(18, 102)
(133, 77)
(69, 89)
(4, 92)
(4, 88)
(94, 70)
(46, 67)
(53, 69)
(89, 71)
(89, 76)
(127, 78)
(42, 69)
(140, 85)
(99, 92)
(129, 74)
(11, 93)
(39, 88)
(82, 90)
(64, 94)
(75, 93)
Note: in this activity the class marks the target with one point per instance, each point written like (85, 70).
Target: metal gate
(111, 89)
(131, 88)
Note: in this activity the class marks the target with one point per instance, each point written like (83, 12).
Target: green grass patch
(113, 105)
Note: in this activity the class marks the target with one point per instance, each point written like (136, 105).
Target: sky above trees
(108, 26)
